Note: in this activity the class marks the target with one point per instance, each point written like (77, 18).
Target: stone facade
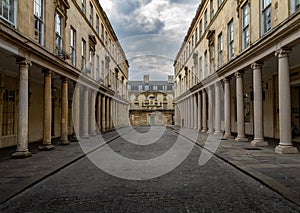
(151, 102)
(62, 71)
(238, 68)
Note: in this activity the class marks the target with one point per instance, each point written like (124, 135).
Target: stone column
(217, 108)
(195, 111)
(227, 108)
(22, 137)
(240, 107)
(108, 114)
(93, 113)
(47, 145)
(285, 146)
(111, 111)
(76, 111)
(186, 120)
(210, 111)
(116, 117)
(85, 122)
(199, 112)
(191, 111)
(103, 126)
(64, 112)
(99, 113)
(258, 107)
(204, 111)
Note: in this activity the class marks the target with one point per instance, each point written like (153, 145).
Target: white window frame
(205, 20)
(245, 25)
(212, 11)
(220, 50)
(39, 20)
(97, 67)
(102, 70)
(58, 31)
(97, 24)
(220, 3)
(73, 46)
(83, 55)
(200, 29)
(294, 5)
(266, 16)
(200, 68)
(91, 61)
(212, 58)
(205, 65)
(230, 40)
(91, 13)
(10, 17)
(83, 6)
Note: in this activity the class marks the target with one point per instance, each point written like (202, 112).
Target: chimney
(146, 78)
(170, 79)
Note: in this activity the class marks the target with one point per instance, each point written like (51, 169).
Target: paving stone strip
(262, 164)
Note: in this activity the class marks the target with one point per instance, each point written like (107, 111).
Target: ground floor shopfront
(256, 94)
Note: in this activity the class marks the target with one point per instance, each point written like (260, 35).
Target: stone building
(49, 48)
(151, 102)
(238, 69)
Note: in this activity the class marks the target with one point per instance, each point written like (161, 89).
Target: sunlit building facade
(238, 71)
(151, 102)
(62, 73)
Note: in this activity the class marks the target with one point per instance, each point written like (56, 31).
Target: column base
(21, 155)
(204, 130)
(85, 137)
(241, 139)
(210, 132)
(259, 142)
(64, 143)
(218, 133)
(93, 134)
(286, 149)
(46, 147)
(74, 138)
(228, 136)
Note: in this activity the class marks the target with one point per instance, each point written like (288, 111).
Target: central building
(151, 102)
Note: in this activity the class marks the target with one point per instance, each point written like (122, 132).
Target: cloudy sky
(150, 32)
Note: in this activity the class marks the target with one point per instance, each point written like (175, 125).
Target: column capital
(47, 72)
(217, 84)
(64, 79)
(24, 62)
(227, 79)
(256, 65)
(283, 52)
(239, 74)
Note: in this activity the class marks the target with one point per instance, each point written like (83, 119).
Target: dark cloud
(150, 27)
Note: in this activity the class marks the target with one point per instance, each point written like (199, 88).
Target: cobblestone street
(214, 187)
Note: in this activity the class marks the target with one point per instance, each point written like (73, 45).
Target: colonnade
(205, 106)
(92, 112)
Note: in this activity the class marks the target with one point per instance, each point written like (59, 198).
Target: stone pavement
(16, 175)
(279, 172)
(214, 186)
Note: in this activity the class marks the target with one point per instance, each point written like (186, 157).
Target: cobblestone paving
(214, 187)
